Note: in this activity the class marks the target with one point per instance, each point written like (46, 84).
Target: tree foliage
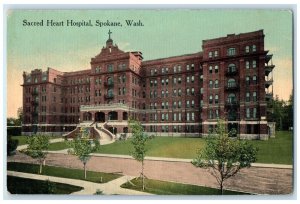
(139, 141)
(282, 113)
(37, 148)
(224, 156)
(82, 147)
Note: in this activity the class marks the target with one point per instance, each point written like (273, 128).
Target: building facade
(230, 79)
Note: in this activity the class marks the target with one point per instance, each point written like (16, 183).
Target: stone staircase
(103, 132)
(97, 131)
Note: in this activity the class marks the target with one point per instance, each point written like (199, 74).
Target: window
(151, 72)
(217, 114)
(179, 104)
(247, 65)
(216, 53)
(216, 83)
(167, 69)
(162, 93)
(163, 105)
(254, 79)
(254, 112)
(247, 112)
(110, 68)
(192, 67)
(167, 116)
(179, 116)
(210, 69)
(210, 83)
(167, 105)
(123, 78)
(231, 83)
(247, 80)
(179, 92)
(216, 99)
(231, 68)
(174, 69)
(231, 98)
(192, 78)
(35, 80)
(254, 63)
(163, 70)
(193, 116)
(201, 90)
(174, 80)
(162, 117)
(188, 91)
(254, 96)
(201, 77)
(167, 93)
(174, 116)
(174, 104)
(174, 92)
(247, 97)
(210, 54)
(179, 80)
(193, 91)
(179, 68)
(192, 103)
(210, 99)
(155, 71)
(253, 48)
(247, 49)
(188, 116)
(210, 114)
(216, 69)
(187, 104)
(162, 82)
(167, 81)
(231, 51)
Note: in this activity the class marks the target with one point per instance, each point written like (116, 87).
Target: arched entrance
(113, 115)
(125, 116)
(87, 116)
(100, 117)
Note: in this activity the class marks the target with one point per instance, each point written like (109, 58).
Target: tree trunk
(143, 178)
(221, 187)
(41, 166)
(84, 167)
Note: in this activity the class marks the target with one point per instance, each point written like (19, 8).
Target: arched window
(231, 83)
(110, 81)
(110, 92)
(231, 98)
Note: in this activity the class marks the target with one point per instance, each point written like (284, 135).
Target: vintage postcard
(150, 102)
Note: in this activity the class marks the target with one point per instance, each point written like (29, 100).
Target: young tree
(37, 148)
(82, 147)
(139, 140)
(223, 156)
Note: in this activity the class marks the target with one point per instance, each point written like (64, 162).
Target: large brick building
(231, 78)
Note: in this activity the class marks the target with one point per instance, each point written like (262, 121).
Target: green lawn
(17, 185)
(22, 139)
(276, 150)
(57, 146)
(170, 188)
(62, 172)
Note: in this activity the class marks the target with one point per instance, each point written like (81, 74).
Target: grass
(173, 147)
(57, 146)
(17, 185)
(170, 188)
(278, 150)
(92, 176)
(22, 139)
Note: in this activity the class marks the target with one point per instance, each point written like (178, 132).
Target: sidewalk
(90, 188)
(278, 166)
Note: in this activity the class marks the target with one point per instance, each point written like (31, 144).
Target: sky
(165, 33)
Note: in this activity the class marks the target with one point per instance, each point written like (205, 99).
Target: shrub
(11, 146)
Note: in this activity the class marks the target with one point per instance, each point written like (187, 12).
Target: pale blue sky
(165, 33)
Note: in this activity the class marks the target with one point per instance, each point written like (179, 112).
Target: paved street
(258, 180)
